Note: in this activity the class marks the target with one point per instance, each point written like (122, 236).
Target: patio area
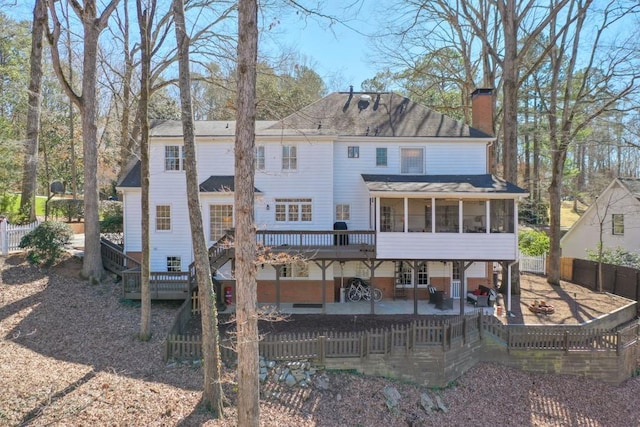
(573, 305)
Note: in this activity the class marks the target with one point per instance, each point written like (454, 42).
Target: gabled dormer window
(412, 161)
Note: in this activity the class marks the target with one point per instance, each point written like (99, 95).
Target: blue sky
(340, 53)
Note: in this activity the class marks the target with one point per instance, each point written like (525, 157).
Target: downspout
(509, 313)
(489, 157)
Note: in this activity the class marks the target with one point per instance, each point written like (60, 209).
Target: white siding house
(413, 182)
(614, 219)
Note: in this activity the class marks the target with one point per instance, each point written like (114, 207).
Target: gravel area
(69, 356)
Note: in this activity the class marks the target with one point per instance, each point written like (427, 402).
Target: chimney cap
(482, 91)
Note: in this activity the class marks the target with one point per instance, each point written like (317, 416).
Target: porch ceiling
(441, 184)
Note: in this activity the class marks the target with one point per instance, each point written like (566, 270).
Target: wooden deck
(327, 245)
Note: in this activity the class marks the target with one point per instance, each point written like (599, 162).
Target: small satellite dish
(57, 187)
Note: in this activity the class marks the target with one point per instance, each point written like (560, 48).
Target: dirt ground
(70, 356)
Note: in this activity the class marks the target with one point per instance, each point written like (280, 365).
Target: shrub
(45, 245)
(67, 208)
(533, 242)
(110, 208)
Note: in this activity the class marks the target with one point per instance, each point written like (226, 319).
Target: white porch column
(433, 214)
(406, 214)
(460, 216)
(488, 215)
(377, 209)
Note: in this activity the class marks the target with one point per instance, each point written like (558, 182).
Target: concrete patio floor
(384, 307)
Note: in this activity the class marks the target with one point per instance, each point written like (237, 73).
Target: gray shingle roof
(375, 114)
(472, 184)
(213, 184)
(220, 184)
(632, 184)
(346, 114)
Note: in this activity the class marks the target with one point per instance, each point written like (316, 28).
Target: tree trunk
(510, 93)
(30, 167)
(144, 21)
(92, 262)
(212, 395)
(246, 306)
(555, 191)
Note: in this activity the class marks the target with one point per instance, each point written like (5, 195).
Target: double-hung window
(163, 218)
(173, 158)
(342, 212)
(293, 210)
(353, 152)
(412, 161)
(289, 157)
(617, 222)
(381, 156)
(259, 157)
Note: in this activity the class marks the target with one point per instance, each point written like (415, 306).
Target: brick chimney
(482, 110)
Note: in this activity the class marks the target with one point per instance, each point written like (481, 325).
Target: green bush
(45, 245)
(71, 209)
(533, 242)
(110, 208)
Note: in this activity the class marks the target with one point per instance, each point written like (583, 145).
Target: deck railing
(169, 282)
(114, 260)
(315, 239)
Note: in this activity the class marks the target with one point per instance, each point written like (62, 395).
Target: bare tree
(579, 94)
(86, 101)
(212, 395)
(246, 303)
(30, 165)
(145, 22)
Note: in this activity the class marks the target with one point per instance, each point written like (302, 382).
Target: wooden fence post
(322, 348)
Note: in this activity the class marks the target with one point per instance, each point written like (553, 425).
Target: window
(353, 152)
(293, 210)
(163, 218)
(617, 221)
(342, 212)
(412, 161)
(381, 156)
(173, 158)
(423, 274)
(174, 263)
(259, 157)
(220, 220)
(289, 157)
(404, 274)
(295, 269)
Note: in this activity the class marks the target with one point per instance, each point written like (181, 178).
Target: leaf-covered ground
(69, 356)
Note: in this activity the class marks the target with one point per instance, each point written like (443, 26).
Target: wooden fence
(443, 334)
(616, 279)
(11, 235)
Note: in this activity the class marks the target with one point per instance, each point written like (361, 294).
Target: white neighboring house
(613, 218)
(410, 185)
